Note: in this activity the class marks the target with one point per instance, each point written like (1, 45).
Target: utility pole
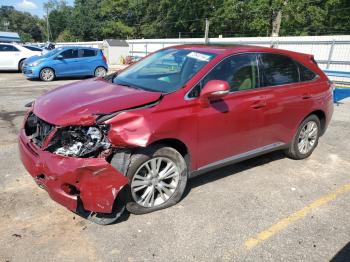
(179, 35)
(6, 25)
(47, 24)
(206, 33)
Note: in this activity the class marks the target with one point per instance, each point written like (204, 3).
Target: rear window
(278, 70)
(306, 74)
(88, 52)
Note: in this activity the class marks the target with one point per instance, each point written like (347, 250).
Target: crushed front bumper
(67, 180)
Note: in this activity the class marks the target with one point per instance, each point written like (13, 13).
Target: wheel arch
(178, 145)
(100, 66)
(19, 62)
(322, 117)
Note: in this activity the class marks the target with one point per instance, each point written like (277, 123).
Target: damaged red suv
(134, 138)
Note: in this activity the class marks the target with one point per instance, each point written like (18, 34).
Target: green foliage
(29, 27)
(66, 36)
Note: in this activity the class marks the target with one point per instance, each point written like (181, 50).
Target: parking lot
(266, 209)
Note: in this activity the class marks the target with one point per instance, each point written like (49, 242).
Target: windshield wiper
(131, 86)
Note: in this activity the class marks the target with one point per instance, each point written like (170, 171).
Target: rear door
(232, 125)
(87, 61)
(9, 57)
(67, 64)
(288, 96)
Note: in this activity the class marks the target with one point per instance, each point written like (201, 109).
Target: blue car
(66, 62)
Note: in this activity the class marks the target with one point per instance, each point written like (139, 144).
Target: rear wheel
(100, 71)
(157, 178)
(305, 139)
(20, 65)
(47, 74)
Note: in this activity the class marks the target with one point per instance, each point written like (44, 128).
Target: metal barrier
(339, 93)
(331, 52)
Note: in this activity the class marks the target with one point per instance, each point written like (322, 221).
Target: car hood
(81, 102)
(33, 59)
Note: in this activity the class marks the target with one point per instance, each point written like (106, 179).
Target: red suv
(133, 139)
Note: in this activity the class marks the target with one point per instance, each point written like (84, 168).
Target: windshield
(52, 52)
(164, 71)
(32, 48)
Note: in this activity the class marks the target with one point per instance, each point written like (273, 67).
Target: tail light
(103, 57)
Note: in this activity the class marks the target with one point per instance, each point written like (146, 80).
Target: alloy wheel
(155, 182)
(100, 72)
(47, 74)
(307, 137)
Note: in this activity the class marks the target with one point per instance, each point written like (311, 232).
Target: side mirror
(214, 89)
(59, 57)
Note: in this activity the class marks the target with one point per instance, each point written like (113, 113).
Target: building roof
(9, 37)
(116, 42)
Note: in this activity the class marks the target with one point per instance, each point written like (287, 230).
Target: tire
(47, 74)
(100, 71)
(301, 150)
(20, 65)
(168, 181)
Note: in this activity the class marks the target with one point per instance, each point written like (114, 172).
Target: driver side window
(240, 71)
(70, 53)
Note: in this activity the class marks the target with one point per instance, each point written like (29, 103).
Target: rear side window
(306, 74)
(70, 53)
(7, 48)
(88, 53)
(278, 70)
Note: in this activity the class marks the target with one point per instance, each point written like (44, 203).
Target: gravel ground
(221, 211)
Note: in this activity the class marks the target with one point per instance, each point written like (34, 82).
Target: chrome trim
(222, 92)
(239, 158)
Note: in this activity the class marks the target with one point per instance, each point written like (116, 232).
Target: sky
(34, 7)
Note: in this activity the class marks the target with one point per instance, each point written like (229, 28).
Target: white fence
(331, 52)
(94, 44)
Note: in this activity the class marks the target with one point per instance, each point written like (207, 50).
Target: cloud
(26, 5)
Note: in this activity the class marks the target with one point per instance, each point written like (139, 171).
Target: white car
(13, 55)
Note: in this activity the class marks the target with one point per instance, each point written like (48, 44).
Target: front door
(232, 125)
(66, 63)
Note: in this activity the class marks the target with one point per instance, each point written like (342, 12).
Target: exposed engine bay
(80, 141)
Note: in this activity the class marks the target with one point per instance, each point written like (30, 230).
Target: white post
(206, 33)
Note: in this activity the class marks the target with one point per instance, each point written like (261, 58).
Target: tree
(28, 26)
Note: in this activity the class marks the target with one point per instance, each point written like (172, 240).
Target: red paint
(98, 182)
(77, 103)
(235, 123)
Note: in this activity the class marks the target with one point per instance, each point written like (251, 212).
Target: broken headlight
(80, 141)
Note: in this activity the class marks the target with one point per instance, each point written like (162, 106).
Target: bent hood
(79, 103)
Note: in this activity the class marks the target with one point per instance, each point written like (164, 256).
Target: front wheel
(157, 179)
(47, 74)
(100, 71)
(305, 139)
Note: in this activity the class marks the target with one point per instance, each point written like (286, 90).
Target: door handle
(258, 104)
(306, 96)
